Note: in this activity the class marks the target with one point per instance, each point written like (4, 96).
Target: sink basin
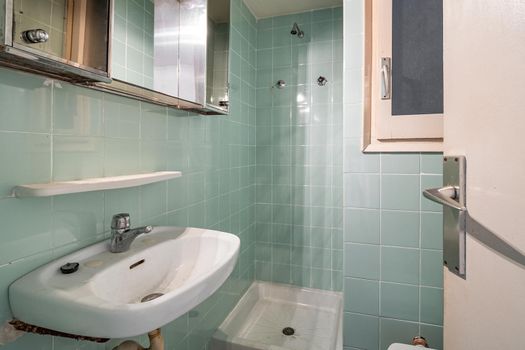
(177, 268)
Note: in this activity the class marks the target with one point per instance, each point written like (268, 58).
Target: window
(404, 75)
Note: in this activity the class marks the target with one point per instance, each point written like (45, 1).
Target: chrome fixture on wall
(297, 31)
(280, 84)
(453, 198)
(321, 81)
(33, 36)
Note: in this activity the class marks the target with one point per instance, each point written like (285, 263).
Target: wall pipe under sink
(156, 342)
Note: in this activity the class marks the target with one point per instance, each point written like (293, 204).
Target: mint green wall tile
(361, 331)
(400, 228)
(281, 36)
(321, 52)
(353, 124)
(358, 162)
(152, 200)
(432, 268)
(76, 157)
(26, 158)
(154, 122)
(121, 117)
(400, 163)
(362, 261)
(121, 157)
(432, 163)
(321, 258)
(26, 102)
(321, 31)
(362, 226)
(362, 190)
(395, 331)
(400, 192)
(433, 334)
(432, 305)
(300, 54)
(361, 296)
(432, 231)
(153, 155)
(400, 301)
(322, 15)
(400, 265)
(77, 218)
(77, 111)
(321, 279)
(281, 273)
(18, 235)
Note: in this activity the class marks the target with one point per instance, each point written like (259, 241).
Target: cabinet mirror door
(217, 54)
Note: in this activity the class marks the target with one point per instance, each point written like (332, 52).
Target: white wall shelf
(93, 184)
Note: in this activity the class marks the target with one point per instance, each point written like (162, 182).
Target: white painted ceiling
(270, 8)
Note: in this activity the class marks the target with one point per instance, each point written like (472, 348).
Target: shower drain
(288, 331)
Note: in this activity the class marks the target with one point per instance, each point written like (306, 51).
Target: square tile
(400, 228)
(432, 305)
(432, 231)
(401, 192)
(362, 261)
(400, 301)
(362, 225)
(432, 268)
(400, 265)
(361, 331)
(361, 296)
(362, 190)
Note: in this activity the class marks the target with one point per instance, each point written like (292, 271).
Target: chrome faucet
(122, 235)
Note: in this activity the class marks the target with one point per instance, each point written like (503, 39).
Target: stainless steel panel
(452, 197)
(192, 50)
(166, 47)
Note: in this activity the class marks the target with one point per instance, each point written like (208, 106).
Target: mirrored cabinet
(169, 52)
(63, 38)
(172, 52)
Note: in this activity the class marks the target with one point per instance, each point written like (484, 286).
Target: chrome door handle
(447, 196)
(386, 84)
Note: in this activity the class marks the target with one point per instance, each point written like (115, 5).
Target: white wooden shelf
(93, 184)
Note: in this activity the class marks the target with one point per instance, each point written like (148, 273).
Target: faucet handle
(120, 221)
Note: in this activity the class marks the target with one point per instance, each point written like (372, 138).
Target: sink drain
(150, 297)
(288, 331)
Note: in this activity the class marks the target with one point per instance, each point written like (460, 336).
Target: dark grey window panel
(417, 57)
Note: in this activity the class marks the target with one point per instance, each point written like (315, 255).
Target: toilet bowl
(398, 346)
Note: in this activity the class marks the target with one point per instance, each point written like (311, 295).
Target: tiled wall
(132, 42)
(392, 235)
(55, 131)
(299, 150)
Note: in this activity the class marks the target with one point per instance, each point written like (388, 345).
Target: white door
(484, 48)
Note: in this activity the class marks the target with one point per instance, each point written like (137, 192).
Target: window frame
(382, 131)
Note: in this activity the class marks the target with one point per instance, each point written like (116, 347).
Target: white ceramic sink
(103, 298)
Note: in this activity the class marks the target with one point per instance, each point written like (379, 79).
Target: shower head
(296, 31)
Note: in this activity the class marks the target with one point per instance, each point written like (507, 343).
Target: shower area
(296, 301)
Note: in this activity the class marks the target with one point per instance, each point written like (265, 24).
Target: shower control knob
(35, 36)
